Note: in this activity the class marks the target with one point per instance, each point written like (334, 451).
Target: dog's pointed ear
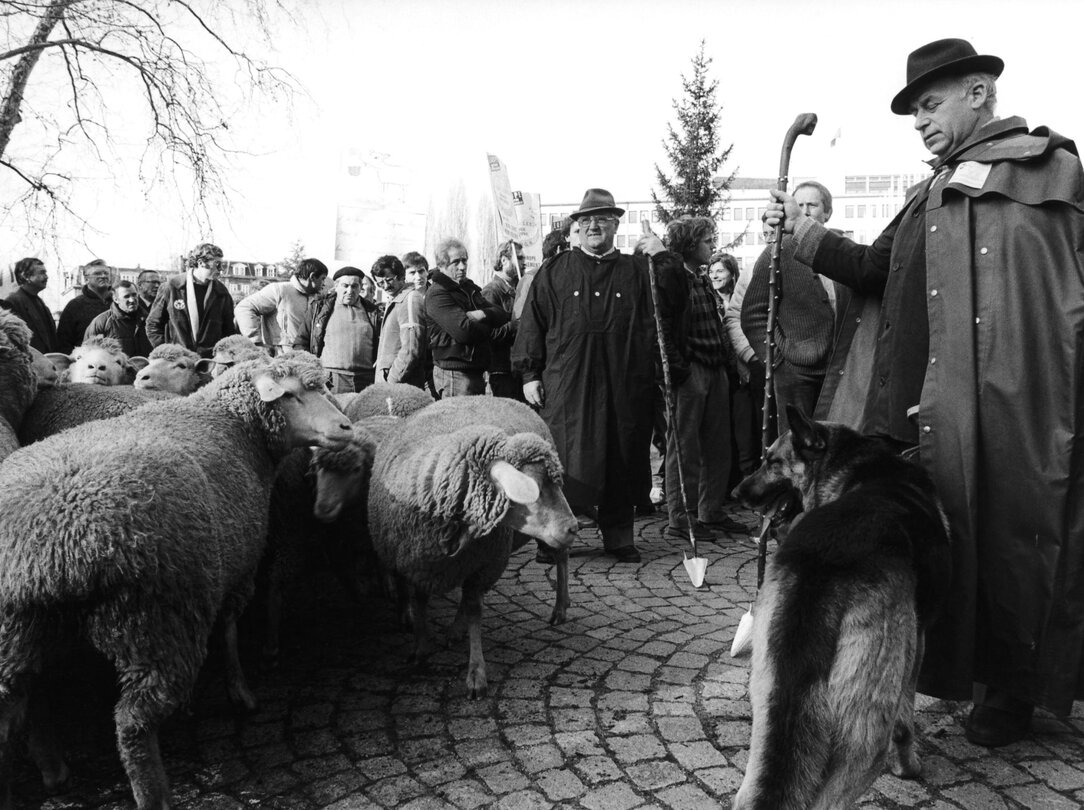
(805, 435)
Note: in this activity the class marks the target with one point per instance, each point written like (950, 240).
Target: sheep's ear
(204, 365)
(138, 363)
(61, 361)
(268, 389)
(518, 487)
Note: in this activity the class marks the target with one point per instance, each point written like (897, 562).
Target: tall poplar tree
(695, 154)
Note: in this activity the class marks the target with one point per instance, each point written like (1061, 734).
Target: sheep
(44, 370)
(373, 401)
(448, 488)
(136, 543)
(65, 406)
(99, 361)
(231, 350)
(173, 368)
(18, 381)
(319, 509)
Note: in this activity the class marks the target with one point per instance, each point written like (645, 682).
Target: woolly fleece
(66, 406)
(373, 401)
(18, 385)
(433, 510)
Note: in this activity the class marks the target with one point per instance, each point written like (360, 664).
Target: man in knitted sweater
(805, 322)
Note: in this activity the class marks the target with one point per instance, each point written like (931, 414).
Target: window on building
(861, 211)
(880, 183)
(634, 217)
(848, 211)
(725, 215)
(620, 241)
(855, 184)
(749, 213)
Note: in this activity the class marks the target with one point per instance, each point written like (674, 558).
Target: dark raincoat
(1001, 408)
(587, 331)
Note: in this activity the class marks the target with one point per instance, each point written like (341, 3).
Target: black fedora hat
(596, 201)
(945, 57)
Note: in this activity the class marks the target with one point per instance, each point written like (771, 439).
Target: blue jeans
(458, 382)
(349, 382)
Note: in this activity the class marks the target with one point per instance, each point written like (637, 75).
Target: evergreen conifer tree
(694, 154)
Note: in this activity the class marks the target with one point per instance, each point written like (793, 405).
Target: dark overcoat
(1000, 422)
(587, 331)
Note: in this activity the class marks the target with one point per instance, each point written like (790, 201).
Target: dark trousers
(798, 386)
(507, 385)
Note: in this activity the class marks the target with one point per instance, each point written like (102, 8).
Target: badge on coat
(178, 304)
(971, 174)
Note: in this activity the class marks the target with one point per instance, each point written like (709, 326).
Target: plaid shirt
(707, 342)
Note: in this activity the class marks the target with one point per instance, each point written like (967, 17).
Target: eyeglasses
(596, 221)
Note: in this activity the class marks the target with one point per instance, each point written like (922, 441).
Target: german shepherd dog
(840, 619)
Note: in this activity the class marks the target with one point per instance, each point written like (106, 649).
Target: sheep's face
(342, 479)
(308, 415)
(94, 365)
(179, 375)
(44, 370)
(546, 516)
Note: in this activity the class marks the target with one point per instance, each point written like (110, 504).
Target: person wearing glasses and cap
(586, 350)
(978, 361)
(194, 308)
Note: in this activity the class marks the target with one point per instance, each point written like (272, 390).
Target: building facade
(862, 205)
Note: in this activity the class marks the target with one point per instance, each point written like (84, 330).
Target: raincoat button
(978, 320)
(576, 293)
(618, 295)
(933, 293)
(933, 229)
(933, 360)
(984, 251)
(858, 319)
(926, 429)
(597, 293)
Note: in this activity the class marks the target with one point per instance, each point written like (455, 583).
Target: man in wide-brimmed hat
(585, 348)
(978, 361)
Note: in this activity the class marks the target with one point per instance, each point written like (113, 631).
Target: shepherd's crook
(804, 124)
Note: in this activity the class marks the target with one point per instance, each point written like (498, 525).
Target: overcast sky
(578, 94)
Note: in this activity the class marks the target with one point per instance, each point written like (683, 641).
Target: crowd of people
(956, 336)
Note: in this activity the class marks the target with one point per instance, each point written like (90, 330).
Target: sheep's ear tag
(518, 487)
(268, 389)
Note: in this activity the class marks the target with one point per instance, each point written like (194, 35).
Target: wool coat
(588, 333)
(168, 320)
(33, 310)
(992, 253)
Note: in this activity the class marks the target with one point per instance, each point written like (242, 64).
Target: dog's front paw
(904, 763)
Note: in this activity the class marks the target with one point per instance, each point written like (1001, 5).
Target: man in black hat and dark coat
(978, 361)
(586, 349)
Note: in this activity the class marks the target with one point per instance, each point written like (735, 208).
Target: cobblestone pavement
(633, 703)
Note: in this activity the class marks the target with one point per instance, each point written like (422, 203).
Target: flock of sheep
(136, 517)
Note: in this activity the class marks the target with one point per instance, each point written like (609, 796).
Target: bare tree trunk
(13, 96)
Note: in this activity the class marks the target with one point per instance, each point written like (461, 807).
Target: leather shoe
(681, 534)
(586, 522)
(726, 524)
(544, 556)
(625, 554)
(1000, 720)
